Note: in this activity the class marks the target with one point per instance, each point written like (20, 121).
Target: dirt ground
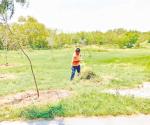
(7, 76)
(30, 97)
(7, 65)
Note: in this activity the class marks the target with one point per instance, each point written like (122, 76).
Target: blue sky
(89, 15)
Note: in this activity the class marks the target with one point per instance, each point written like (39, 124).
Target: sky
(89, 15)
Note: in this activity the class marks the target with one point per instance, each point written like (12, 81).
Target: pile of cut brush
(87, 74)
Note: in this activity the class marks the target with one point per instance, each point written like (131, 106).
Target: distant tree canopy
(35, 35)
(29, 32)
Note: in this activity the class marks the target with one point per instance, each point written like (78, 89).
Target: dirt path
(120, 120)
(30, 97)
(143, 91)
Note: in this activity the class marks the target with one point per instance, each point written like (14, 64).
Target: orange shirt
(76, 59)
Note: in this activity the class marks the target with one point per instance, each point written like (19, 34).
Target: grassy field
(114, 69)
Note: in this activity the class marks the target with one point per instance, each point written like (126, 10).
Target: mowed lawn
(115, 68)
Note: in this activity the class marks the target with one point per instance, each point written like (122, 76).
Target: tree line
(30, 33)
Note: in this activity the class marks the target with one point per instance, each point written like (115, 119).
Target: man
(75, 63)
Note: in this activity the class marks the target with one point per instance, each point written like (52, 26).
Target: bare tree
(6, 12)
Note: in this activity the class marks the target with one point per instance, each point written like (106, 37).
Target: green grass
(115, 68)
(52, 70)
(86, 104)
(127, 68)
